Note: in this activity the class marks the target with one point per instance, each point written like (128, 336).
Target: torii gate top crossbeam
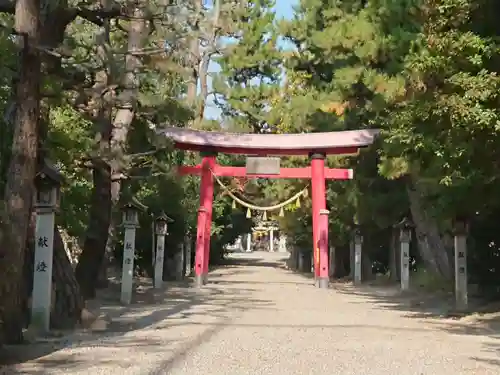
(337, 143)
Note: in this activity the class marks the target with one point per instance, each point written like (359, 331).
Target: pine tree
(423, 71)
(250, 66)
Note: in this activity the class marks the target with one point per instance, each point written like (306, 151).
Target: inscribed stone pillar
(128, 265)
(461, 292)
(358, 243)
(159, 260)
(42, 278)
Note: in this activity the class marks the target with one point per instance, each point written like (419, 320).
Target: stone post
(405, 265)
(187, 255)
(128, 264)
(271, 240)
(282, 244)
(405, 227)
(130, 224)
(47, 182)
(161, 230)
(405, 260)
(249, 242)
(159, 260)
(179, 264)
(42, 278)
(461, 294)
(358, 243)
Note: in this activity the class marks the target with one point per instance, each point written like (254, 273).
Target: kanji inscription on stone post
(357, 263)
(128, 264)
(358, 244)
(249, 242)
(41, 267)
(187, 249)
(461, 294)
(159, 260)
(42, 242)
(405, 261)
(42, 275)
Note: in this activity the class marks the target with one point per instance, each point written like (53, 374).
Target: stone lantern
(161, 224)
(460, 225)
(358, 244)
(161, 228)
(358, 236)
(130, 213)
(405, 227)
(48, 183)
(130, 221)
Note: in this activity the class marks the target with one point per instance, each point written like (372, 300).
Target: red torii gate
(315, 145)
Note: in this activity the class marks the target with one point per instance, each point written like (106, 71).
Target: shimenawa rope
(251, 206)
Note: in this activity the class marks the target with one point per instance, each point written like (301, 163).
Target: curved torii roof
(340, 142)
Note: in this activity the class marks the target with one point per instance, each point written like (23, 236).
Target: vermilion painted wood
(304, 172)
(204, 218)
(209, 194)
(318, 190)
(323, 261)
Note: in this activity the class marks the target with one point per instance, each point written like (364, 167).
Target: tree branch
(96, 16)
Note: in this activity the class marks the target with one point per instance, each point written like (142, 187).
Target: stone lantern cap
(49, 172)
(406, 223)
(460, 225)
(135, 204)
(164, 217)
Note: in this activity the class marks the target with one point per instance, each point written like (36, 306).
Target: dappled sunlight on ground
(256, 317)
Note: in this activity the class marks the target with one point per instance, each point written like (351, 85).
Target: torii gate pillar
(318, 205)
(204, 219)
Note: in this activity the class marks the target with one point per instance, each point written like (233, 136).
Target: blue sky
(283, 9)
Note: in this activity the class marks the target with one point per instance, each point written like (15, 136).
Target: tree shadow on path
(437, 311)
(149, 310)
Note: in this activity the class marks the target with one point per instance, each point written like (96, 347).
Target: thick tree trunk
(366, 266)
(87, 269)
(342, 258)
(122, 122)
(28, 268)
(19, 190)
(430, 243)
(96, 237)
(108, 259)
(68, 302)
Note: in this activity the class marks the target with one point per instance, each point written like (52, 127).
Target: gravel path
(257, 318)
